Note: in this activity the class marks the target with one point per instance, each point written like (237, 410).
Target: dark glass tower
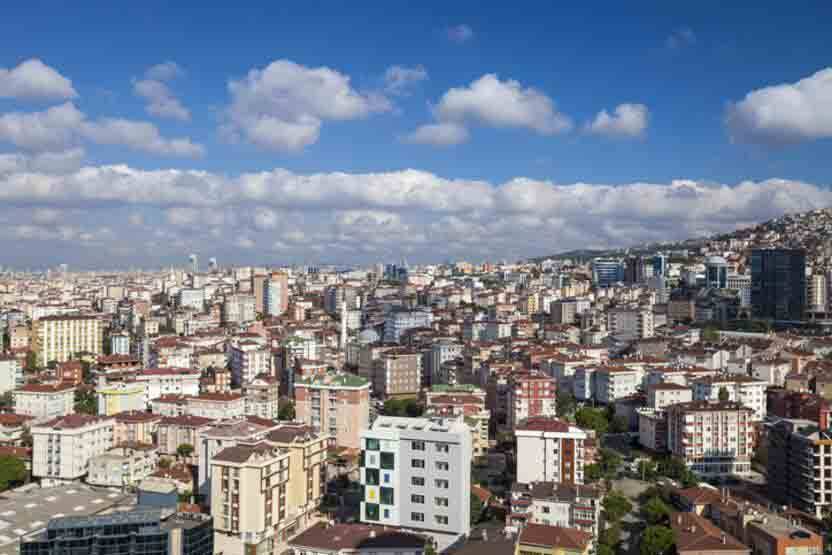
(778, 283)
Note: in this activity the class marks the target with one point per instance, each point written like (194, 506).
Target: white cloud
(495, 103)
(438, 134)
(398, 79)
(64, 161)
(681, 37)
(165, 71)
(282, 106)
(627, 120)
(162, 102)
(785, 113)
(33, 79)
(64, 126)
(460, 33)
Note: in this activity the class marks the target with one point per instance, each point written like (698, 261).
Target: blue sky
(683, 65)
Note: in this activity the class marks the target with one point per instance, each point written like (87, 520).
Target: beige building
(262, 397)
(397, 372)
(135, 427)
(44, 401)
(337, 404)
(60, 338)
(126, 465)
(63, 447)
(216, 405)
(120, 397)
(19, 337)
(174, 431)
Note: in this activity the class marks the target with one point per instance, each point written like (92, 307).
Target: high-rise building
(238, 308)
(63, 447)
(530, 395)
(416, 474)
(716, 272)
(258, 286)
(607, 271)
(139, 531)
(817, 293)
(60, 338)
(276, 294)
(659, 262)
(338, 404)
(550, 450)
(778, 283)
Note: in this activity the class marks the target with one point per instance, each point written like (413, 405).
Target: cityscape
(341, 282)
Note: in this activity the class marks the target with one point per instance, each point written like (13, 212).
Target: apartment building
(135, 427)
(239, 308)
(71, 371)
(443, 401)
(44, 401)
(554, 504)
(63, 446)
(745, 390)
(530, 395)
(615, 382)
(11, 373)
(276, 294)
(216, 405)
(550, 450)
(652, 429)
(397, 372)
(120, 397)
(168, 381)
(336, 403)
(799, 465)
(122, 466)
(713, 438)
(248, 359)
(416, 474)
(630, 323)
(262, 397)
(174, 431)
(356, 539)
(539, 539)
(661, 395)
(60, 338)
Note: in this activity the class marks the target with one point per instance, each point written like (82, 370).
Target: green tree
(610, 461)
(616, 505)
(723, 394)
(655, 511)
(164, 463)
(611, 535)
(7, 401)
(85, 401)
(710, 334)
(657, 540)
(618, 425)
(286, 410)
(31, 360)
(604, 549)
(566, 403)
(593, 473)
(185, 450)
(12, 471)
(593, 419)
(647, 470)
(477, 509)
(26, 439)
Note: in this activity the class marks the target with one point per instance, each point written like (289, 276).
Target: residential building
(550, 450)
(276, 294)
(652, 429)
(774, 533)
(44, 401)
(616, 382)
(216, 405)
(168, 381)
(135, 427)
(63, 446)
(12, 427)
(539, 539)
(174, 431)
(531, 395)
(262, 397)
(247, 360)
(11, 373)
(778, 284)
(120, 397)
(237, 309)
(397, 372)
(60, 338)
(71, 372)
(713, 438)
(136, 532)
(122, 466)
(120, 344)
(401, 320)
(606, 272)
(661, 395)
(745, 390)
(466, 401)
(356, 539)
(416, 474)
(555, 504)
(628, 323)
(336, 403)
(190, 298)
(696, 535)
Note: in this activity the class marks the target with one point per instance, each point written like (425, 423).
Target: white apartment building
(661, 395)
(550, 450)
(63, 447)
(416, 474)
(239, 308)
(190, 298)
(44, 401)
(583, 383)
(613, 382)
(745, 390)
(168, 381)
(122, 466)
(249, 359)
(630, 323)
(59, 338)
(771, 371)
(11, 373)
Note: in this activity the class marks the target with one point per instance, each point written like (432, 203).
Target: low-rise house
(556, 504)
(539, 539)
(356, 539)
(12, 427)
(696, 535)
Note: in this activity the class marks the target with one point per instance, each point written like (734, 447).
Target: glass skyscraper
(778, 283)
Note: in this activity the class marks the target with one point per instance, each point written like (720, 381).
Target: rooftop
(554, 536)
(323, 537)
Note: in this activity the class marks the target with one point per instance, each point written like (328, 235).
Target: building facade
(550, 450)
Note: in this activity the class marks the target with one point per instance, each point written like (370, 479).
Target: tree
(618, 425)
(7, 401)
(604, 549)
(185, 496)
(611, 535)
(164, 463)
(566, 403)
(286, 410)
(12, 471)
(655, 511)
(610, 461)
(657, 540)
(647, 470)
(593, 419)
(26, 439)
(724, 395)
(477, 509)
(86, 402)
(31, 360)
(616, 505)
(592, 473)
(185, 450)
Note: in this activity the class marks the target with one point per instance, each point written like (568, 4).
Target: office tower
(607, 271)
(416, 474)
(778, 283)
(659, 265)
(716, 272)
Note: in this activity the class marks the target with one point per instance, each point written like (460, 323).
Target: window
(361, 459)
(417, 463)
(371, 476)
(441, 501)
(371, 511)
(546, 510)
(417, 517)
(417, 481)
(387, 461)
(386, 477)
(415, 498)
(418, 446)
(442, 484)
(386, 513)
(442, 447)
(386, 496)
(440, 465)
(372, 444)
(441, 519)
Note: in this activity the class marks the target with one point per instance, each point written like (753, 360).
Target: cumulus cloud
(33, 79)
(627, 120)
(282, 106)
(313, 217)
(495, 103)
(785, 113)
(398, 79)
(681, 37)
(161, 102)
(64, 126)
(165, 71)
(460, 33)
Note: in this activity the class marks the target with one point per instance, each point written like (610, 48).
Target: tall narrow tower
(344, 325)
